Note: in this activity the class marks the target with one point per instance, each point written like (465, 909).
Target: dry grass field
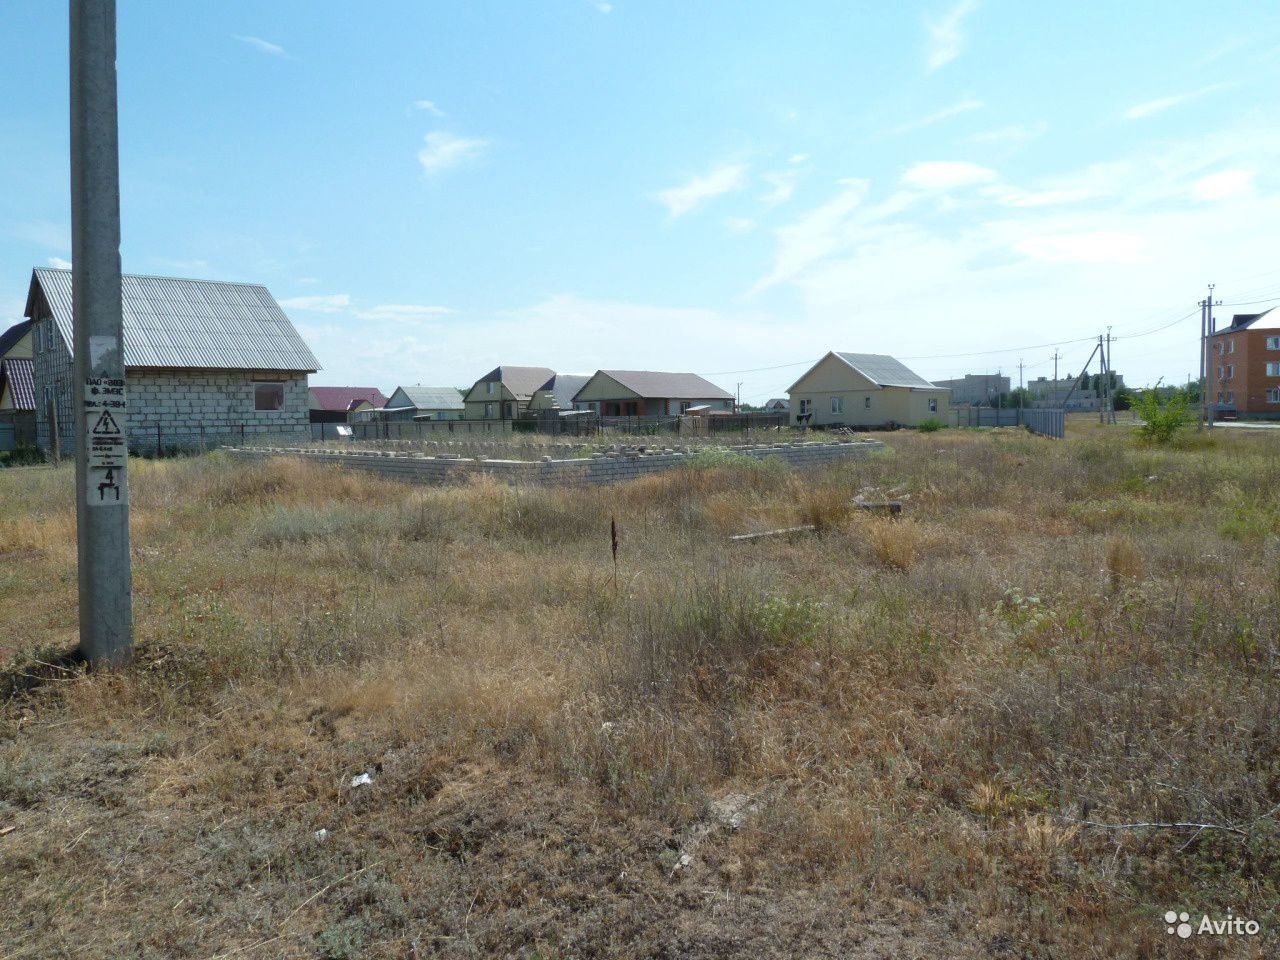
(910, 738)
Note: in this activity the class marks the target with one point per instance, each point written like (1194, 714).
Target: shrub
(930, 425)
(1161, 422)
(895, 543)
(1124, 562)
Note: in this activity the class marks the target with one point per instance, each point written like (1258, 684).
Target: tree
(1161, 421)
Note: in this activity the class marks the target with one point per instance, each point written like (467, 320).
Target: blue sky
(433, 189)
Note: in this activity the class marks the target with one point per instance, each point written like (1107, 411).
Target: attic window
(268, 396)
(488, 387)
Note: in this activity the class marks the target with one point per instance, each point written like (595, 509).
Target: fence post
(55, 442)
(203, 449)
(159, 449)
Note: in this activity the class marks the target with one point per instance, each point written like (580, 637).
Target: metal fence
(1048, 423)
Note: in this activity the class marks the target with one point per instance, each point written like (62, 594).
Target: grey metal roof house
(203, 360)
(419, 402)
(558, 392)
(865, 390)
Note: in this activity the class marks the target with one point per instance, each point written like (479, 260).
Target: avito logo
(1179, 924)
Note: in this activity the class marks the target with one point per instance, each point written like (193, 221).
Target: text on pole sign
(108, 456)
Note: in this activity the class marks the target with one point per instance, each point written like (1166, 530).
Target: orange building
(1244, 365)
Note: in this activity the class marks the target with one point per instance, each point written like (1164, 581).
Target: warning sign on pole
(104, 419)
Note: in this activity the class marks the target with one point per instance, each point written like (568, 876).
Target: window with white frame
(488, 388)
(1227, 372)
(866, 403)
(1273, 369)
(805, 406)
(1273, 343)
(933, 404)
(1221, 348)
(837, 404)
(1231, 346)
(490, 410)
(1273, 394)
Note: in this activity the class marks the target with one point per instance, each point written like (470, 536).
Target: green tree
(1162, 421)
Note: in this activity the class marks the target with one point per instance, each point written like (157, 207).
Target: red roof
(19, 374)
(345, 398)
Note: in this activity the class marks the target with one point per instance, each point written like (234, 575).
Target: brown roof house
(1245, 365)
(504, 392)
(649, 393)
(339, 404)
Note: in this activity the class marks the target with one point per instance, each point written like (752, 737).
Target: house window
(804, 406)
(1231, 346)
(1273, 394)
(1231, 371)
(510, 412)
(933, 404)
(866, 403)
(1273, 343)
(1273, 369)
(268, 396)
(685, 405)
(1222, 347)
(1231, 397)
(488, 388)
(490, 411)
(837, 404)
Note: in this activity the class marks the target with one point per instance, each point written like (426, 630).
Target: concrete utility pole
(1206, 355)
(102, 489)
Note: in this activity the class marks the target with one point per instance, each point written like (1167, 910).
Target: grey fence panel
(1048, 423)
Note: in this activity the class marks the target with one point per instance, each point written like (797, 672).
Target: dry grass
(921, 711)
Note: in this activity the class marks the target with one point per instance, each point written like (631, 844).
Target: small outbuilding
(864, 390)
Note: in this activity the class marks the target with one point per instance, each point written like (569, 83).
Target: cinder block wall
(180, 402)
(412, 468)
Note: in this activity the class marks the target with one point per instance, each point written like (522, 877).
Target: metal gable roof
(19, 374)
(432, 398)
(564, 386)
(10, 337)
(654, 384)
(203, 324)
(521, 381)
(1267, 320)
(884, 370)
(345, 398)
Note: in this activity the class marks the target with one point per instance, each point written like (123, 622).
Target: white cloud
(1098, 246)
(264, 46)
(331, 303)
(783, 183)
(403, 312)
(59, 263)
(1223, 185)
(1015, 133)
(1140, 111)
(428, 106)
(797, 158)
(698, 190)
(605, 7)
(946, 175)
(818, 234)
(443, 150)
(740, 224)
(946, 34)
(1015, 197)
(946, 113)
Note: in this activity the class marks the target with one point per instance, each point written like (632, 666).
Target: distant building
(17, 390)
(865, 390)
(777, 405)
(504, 392)
(340, 404)
(1244, 366)
(1069, 393)
(976, 389)
(202, 359)
(649, 393)
(557, 393)
(419, 403)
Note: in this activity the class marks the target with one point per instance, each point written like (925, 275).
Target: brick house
(204, 360)
(1244, 365)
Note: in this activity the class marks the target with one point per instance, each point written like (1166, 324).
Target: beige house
(864, 390)
(504, 392)
(649, 393)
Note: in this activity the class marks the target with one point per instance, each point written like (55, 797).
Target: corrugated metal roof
(340, 399)
(657, 384)
(431, 398)
(564, 386)
(205, 324)
(884, 370)
(10, 338)
(19, 374)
